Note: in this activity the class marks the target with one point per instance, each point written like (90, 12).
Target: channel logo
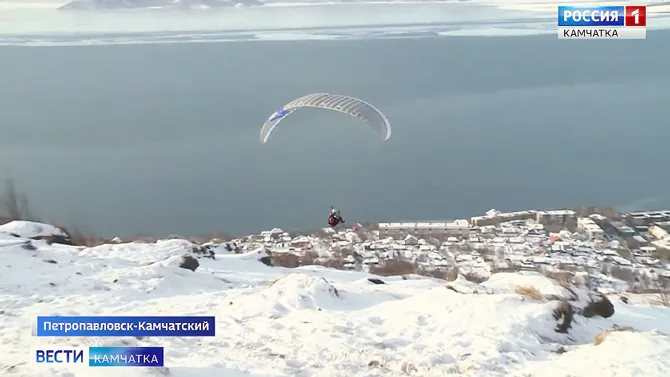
(602, 22)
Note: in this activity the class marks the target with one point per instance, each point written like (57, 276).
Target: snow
(31, 229)
(645, 351)
(39, 23)
(312, 321)
(509, 282)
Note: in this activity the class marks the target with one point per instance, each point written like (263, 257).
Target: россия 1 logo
(602, 22)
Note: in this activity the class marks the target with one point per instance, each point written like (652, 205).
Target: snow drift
(314, 321)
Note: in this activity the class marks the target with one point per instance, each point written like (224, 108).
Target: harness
(332, 220)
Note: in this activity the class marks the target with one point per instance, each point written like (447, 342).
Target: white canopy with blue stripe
(351, 106)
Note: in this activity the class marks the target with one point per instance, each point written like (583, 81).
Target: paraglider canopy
(351, 106)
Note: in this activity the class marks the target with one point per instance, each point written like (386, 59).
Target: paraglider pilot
(335, 218)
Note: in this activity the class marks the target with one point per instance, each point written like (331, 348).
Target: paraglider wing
(347, 105)
(278, 115)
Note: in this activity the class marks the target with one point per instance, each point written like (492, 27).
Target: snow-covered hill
(154, 4)
(314, 321)
(62, 22)
(537, 5)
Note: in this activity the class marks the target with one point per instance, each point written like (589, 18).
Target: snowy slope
(31, 229)
(311, 321)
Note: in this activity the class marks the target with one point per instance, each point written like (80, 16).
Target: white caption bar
(602, 32)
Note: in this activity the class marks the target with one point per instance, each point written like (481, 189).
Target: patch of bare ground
(392, 267)
(601, 336)
(531, 292)
(662, 299)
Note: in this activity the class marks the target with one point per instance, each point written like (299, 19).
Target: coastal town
(630, 250)
(618, 252)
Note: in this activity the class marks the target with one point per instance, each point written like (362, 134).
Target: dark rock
(451, 288)
(266, 261)
(51, 261)
(624, 299)
(56, 238)
(203, 251)
(28, 246)
(563, 314)
(600, 306)
(375, 281)
(64, 238)
(189, 263)
(332, 289)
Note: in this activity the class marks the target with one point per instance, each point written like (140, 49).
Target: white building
(453, 228)
(646, 218)
(555, 217)
(588, 226)
(411, 240)
(494, 217)
(658, 232)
